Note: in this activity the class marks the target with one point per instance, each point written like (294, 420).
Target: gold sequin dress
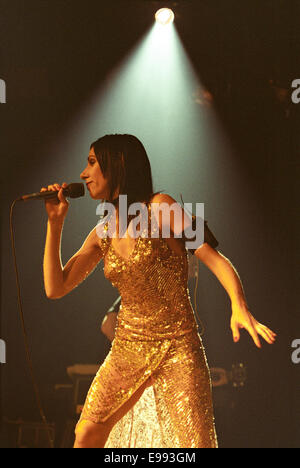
(156, 335)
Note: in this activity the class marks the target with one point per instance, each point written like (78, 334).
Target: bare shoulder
(168, 212)
(165, 214)
(163, 198)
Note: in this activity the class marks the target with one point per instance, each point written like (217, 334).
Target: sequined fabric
(156, 335)
(140, 427)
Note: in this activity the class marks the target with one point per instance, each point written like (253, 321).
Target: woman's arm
(224, 271)
(230, 280)
(59, 280)
(226, 274)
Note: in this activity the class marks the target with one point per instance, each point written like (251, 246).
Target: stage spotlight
(164, 16)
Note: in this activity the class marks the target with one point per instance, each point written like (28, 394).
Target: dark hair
(124, 163)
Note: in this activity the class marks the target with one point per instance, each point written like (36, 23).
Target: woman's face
(96, 184)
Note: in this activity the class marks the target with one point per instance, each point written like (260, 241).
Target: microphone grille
(75, 190)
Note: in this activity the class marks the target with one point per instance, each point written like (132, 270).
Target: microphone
(71, 191)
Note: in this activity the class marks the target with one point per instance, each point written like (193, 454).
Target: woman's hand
(56, 209)
(108, 326)
(242, 318)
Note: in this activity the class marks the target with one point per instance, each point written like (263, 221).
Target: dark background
(53, 54)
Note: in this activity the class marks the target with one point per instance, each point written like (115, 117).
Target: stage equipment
(30, 434)
(164, 16)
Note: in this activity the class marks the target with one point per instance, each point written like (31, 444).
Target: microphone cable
(25, 336)
(202, 331)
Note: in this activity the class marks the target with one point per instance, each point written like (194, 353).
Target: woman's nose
(83, 174)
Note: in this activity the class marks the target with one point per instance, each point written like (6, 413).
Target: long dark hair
(124, 163)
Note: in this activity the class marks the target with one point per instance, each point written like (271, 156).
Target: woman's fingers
(56, 206)
(60, 196)
(265, 336)
(54, 187)
(235, 332)
(266, 333)
(254, 328)
(250, 328)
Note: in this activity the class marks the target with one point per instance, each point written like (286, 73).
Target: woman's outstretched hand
(242, 318)
(56, 209)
